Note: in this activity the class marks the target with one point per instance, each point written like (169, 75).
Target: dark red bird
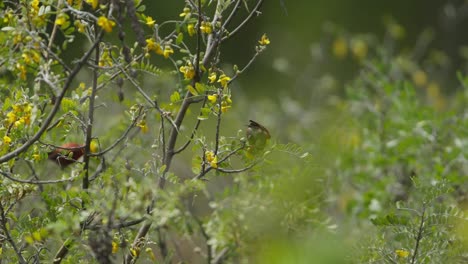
(67, 154)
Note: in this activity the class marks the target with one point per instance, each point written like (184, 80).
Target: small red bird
(67, 154)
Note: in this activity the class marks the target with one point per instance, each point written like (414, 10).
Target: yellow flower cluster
(226, 103)
(19, 115)
(402, 253)
(149, 21)
(185, 13)
(224, 80)
(264, 40)
(212, 159)
(206, 27)
(191, 29)
(144, 126)
(188, 71)
(93, 3)
(151, 45)
(106, 23)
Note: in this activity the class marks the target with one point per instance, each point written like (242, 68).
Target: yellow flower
(264, 40)
(36, 157)
(212, 77)
(135, 251)
(106, 23)
(153, 46)
(340, 48)
(143, 126)
(22, 71)
(19, 122)
(167, 51)
(11, 117)
(213, 98)
(191, 29)
(61, 19)
(6, 139)
(224, 80)
(115, 247)
(212, 159)
(402, 253)
(149, 21)
(188, 71)
(80, 26)
(93, 3)
(206, 27)
(150, 253)
(185, 13)
(94, 146)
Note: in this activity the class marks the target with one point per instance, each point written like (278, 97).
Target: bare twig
(419, 235)
(7, 175)
(90, 123)
(246, 20)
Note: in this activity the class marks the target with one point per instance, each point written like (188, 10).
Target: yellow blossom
(36, 157)
(11, 117)
(93, 3)
(206, 27)
(115, 247)
(143, 126)
(212, 77)
(340, 48)
(150, 253)
(61, 19)
(6, 139)
(224, 107)
(264, 40)
(167, 51)
(402, 253)
(19, 122)
(188, 71)
(213, 98)
(79, 26)
(35, 5)
(191, 29)
(135, 251)
(212, 159)
(185, 13)
(224, 80)
(105, 23)
(26, 58)
(94, 146)
(153, 46)
(149, 21)
(22, 71)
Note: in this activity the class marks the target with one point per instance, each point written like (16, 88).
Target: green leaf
(192, 90)
(180, 38)
(175, 97)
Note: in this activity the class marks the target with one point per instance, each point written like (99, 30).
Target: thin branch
(124, 135)
(90, 123)
(4, 224)
(419, 236)
(237, 170)
(243, 23)
(194, 130)
(220, 257)
(153, 103)
(8, 176)
(56, 107)
(218, 120)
